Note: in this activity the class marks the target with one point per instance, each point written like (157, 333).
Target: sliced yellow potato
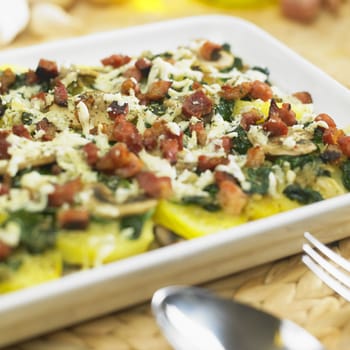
(299, 109)
(101, 243)
(260, 207)
(190, 221)
(33, 269)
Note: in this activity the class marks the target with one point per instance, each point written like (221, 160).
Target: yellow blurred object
(106, 2)
(149, 6)
(33, 269)
(190, 221)
(241, 3)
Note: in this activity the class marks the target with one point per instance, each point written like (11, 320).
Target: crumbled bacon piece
(276, 127)
(125, 131)
(49, 129)
(120, 161)
(210, 51)
(332, 135)
(237, 92)
(115, 109)
(91, 153)
(226, 144)
(231, 198)
(158, 90)
(279, 119)
(116, 61)
(40, 96)
(31, 77)
(21, 130)
(200, 131)
(7, 78)
(60, 94)
(196, 85)
(64, 193)
(144, 65)
(210, 163)
(260, 90)
(303, 97)
(344, 144)
(4, 189)
(156, 187)
(133, 72)
(250, 118)
(255, 157)
(46, 69)
(220, 176)
(197, 104)
(327, 119)
(4, 145)
(170, 148)
(127, 85)
(287, 115)
(73, 219)
(5, 250)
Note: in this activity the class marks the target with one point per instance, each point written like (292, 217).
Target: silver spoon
(194, 319)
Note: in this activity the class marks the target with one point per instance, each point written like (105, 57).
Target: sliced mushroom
(225, 60)
(165, 237)
(296, 143)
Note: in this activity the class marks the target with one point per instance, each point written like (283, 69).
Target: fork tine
(331, 269)
(339, 260)
(327, 279)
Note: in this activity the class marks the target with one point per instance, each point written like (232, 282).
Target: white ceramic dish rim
(185, 250)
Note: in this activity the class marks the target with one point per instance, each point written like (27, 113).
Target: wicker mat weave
(285, 288)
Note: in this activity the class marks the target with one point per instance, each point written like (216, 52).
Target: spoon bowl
(193, 318)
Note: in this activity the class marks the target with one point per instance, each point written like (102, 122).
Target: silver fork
(324, 265)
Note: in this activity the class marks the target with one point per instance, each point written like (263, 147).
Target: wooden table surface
(284, 287)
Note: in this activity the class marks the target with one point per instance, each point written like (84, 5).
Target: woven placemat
(285, 288)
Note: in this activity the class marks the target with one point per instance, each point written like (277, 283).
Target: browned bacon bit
(125, 131)
(91, 153)
(231, 198)
(210, 163)
(127, 85)
(220, 176)
(5, 250)
(344, 144)
(31, 77)
(226, 144)
(287, 115)
(7, 78)
(116, 61)
(144, 65)
(60, 94)
(197, 104)
(4, 145)
(200, 131)
(327, 119)
(196, 85)
(158, 90)
(156, 187)
(250, 118)
(115, 109)
(332, 135)
(210, 51)
(260, 90)
(64, 193)
(46, 69)
(133, 72)
(255, 157)
(4, 189)
(276, 127)
(73, 219)
(21, 130)
(303, 97)
(170, 148)
(120, 161)
(49, 129)
(40, 96)
(237, 92)
(151, 135)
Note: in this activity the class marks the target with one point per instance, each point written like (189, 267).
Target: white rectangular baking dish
(94, 292)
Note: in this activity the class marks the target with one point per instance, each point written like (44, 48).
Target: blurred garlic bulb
(51, 20)
(62, 3)
(14, 17)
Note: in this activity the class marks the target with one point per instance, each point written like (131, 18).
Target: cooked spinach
(225, 109)
(297, 161)
(241, 143)
(2, 108)
(318, 136)
(226, 47)
(302, 195)
(158, 109)
(259, 179)
(345, 169)
(237, 63)
(112, 181)
(27, 118)
(265, 70)
(38, 231)
(135, 222)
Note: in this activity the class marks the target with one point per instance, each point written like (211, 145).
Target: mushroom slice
(225, 60)
(296, 143)
(165, 237)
